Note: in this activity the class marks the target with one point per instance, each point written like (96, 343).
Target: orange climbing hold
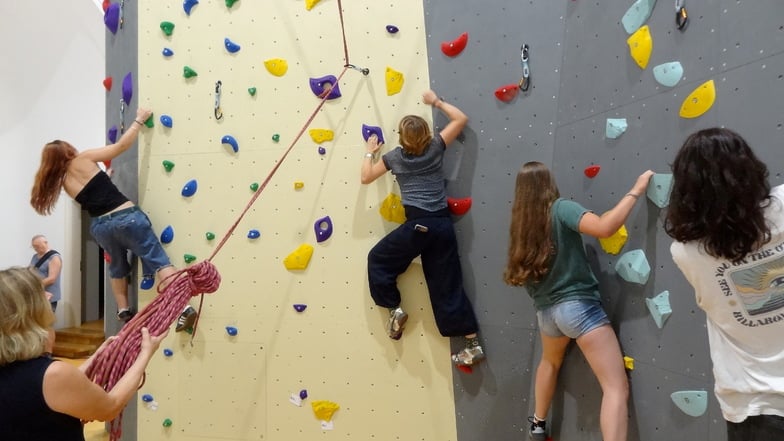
(506, 93)
(454, 47)
(457, 206)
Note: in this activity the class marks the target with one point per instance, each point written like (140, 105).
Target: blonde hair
(414, 134)
(530, 241)
(25, 315)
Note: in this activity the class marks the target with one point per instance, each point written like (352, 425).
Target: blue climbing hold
(167, 235)
(367, 131)
(231, 46)
(299, 307)
(167, 52)
(147, 282)
(231, 330)
(254, 234)
(111, 18)
(322, 150)
(187, 5)
(127, 88)
(168, 352)
(322, 85)
(323, 228)
(190, 188)
(228, 139)
(303, 394)
(392, 29)
(112, 134)
(166, 120)
(147, 398)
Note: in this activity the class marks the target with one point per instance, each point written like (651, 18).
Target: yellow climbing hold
(628, 362)
(309, 4)
(298, 185)
(299, 258)
(324, 409)
(321, 135)
(394, 80)
(277, 66)
(640, 46)
(699, 101)
(614, 243)
(392, 209)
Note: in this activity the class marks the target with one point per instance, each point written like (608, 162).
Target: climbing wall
(582, 73)
(254, 353)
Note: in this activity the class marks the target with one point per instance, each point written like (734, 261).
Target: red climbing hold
(105, 5)
(592, 171)
(108, 164)
(506, 93)
(107, 83)
(454, 47)
(107, 257)
(459, 207)
(465, 369)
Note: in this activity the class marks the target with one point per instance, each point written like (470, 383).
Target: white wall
(50, 84)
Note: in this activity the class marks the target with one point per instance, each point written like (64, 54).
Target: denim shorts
(129, 230)
(572, 318)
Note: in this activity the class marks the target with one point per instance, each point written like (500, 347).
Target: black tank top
(24, 415)
(100, 195)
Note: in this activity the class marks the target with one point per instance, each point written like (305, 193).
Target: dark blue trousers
(453, 312)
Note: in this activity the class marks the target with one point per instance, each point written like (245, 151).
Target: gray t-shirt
(421, 178)
(570, 277)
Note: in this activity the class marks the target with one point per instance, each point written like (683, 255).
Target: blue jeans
(129, 230)
(572, 318)
(452, 310)
(757, 428)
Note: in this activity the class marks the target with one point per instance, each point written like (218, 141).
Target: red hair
(49, 179)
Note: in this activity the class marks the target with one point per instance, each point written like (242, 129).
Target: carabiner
(525, 81)
(122, 116)
(365, 71)
(681, 15)
(218, 111)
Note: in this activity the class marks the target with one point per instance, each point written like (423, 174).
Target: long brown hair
(414, 134)
(530, 241)
(49, 179)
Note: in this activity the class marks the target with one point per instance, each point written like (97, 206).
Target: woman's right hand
(429, 97)
(143, 114)
(641, 186)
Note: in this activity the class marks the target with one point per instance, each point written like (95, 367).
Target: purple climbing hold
(322, 85)
(392, 29)
(111, 18)
(166, 120)
(167, 235)
(322, 150)
(127, 88)
(299, 307)
(303, 394)
(323, 228)
(372, 130)
(190, 188)
(254, 234)
(111, 135)
(231, 46)
(187, 5)
(167, 52)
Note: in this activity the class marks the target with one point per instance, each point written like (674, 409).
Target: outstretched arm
(372, 170)
(457, 119)
(125, 142)
(608, 223)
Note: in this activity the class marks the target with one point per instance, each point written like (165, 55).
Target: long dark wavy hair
(49, 179)
(719, 195)
(530, 231)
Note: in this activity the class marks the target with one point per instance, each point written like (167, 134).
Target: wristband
(138, 122)
(369, 155)
(633, 195)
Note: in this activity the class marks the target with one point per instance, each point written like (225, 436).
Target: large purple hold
(319, 86)
(111, 135)
(372, 130)
(111, 18)
(127, 89)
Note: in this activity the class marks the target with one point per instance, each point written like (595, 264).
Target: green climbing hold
(252, 91)
(167, 27)
(276, 137)
(187, 72)
(168, 165)
(254, 186)
(189, 258)
(167, 422)
(210, 235)
(230, 3)
(149, 122)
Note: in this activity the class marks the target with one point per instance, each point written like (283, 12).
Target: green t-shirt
(569, 277)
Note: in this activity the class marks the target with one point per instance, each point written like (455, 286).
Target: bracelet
(369, 155)
(144, 379)
(635, 196)
(138, 122)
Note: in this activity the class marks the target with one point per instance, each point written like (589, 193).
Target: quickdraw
(525, 81)
(365, 71)
(681, 15)
(218, 111)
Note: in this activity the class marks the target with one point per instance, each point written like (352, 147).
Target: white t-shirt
(744, 304)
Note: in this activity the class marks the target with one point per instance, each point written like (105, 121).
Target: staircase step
(72, 350)
(76, 335)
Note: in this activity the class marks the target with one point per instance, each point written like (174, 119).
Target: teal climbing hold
(615, 127)
(691, 402)
(637, 15)
(668, 74)
(659, 189)
(660, 308)
(633, 267)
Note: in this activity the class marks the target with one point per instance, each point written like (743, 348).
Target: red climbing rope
(202, 278)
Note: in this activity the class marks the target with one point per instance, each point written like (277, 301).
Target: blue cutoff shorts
(572, 318)
(129, 230)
